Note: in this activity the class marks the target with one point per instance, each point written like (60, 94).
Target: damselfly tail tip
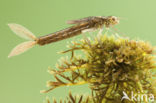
(23, 33)
(9, 24)
(21, 48)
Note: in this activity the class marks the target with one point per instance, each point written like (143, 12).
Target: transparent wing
(22, 31)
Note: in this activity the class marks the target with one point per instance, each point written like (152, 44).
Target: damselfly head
(112, 20)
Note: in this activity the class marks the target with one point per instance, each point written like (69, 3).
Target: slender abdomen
(63, 34)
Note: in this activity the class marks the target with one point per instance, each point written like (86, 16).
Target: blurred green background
(22, 77)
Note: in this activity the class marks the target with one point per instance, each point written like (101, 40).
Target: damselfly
(80, 26)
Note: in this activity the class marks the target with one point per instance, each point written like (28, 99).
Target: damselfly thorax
(79, 26)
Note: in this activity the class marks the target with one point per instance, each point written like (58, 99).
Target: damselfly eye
(113, 19)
